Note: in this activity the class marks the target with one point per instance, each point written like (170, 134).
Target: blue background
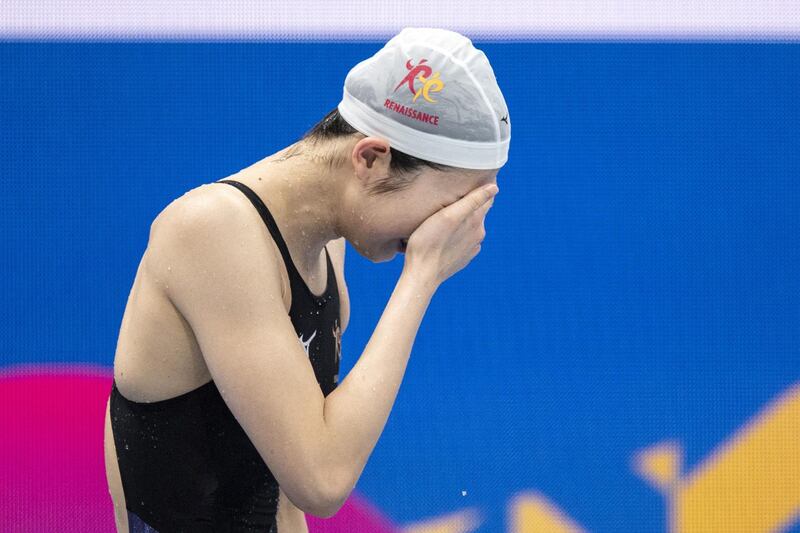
(639, 279)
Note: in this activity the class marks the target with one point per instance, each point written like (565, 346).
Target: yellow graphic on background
(661, 465)
(531, 512)
(464, 521)
(750, 484)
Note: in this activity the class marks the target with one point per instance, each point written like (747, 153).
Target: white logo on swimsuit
(307, 344)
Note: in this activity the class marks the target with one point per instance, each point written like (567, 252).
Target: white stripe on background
(381, 19)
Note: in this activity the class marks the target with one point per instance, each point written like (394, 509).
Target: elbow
(325, 509)
(326, 482)
(335, 503)
(330, 500)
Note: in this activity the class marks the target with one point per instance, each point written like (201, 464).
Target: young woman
(226, 412)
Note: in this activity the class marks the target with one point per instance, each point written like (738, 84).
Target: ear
(371, 157)
(371, 153)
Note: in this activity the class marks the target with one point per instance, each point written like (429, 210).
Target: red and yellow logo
(430, 80)
(430, 83)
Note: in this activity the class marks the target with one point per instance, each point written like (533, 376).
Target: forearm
(290, 519)
(355, 413)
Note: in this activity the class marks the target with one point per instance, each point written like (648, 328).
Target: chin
(382, 254)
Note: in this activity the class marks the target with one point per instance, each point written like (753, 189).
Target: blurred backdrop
(622, 356)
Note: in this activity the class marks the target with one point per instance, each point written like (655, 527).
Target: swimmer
(226, 410)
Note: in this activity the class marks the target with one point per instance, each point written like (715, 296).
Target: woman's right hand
(450, 238)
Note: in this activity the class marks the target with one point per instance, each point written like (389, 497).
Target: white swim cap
(432, 95)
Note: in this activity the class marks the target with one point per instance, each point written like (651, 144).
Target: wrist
(420, 281)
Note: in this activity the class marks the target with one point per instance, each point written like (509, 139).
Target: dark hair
(401, 167)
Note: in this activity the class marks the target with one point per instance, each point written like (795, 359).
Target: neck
(302, 194)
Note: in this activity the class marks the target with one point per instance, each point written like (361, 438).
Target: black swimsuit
(186, 463)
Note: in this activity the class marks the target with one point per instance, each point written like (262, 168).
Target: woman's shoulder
(213, 207)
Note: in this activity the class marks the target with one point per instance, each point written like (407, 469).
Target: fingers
(477, 216)
(473, 201)
(482, 210)
(484, 195)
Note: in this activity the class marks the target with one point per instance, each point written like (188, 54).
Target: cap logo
(430, 80)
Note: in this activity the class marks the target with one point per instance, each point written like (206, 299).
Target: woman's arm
(356, 411)
(290, 519)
